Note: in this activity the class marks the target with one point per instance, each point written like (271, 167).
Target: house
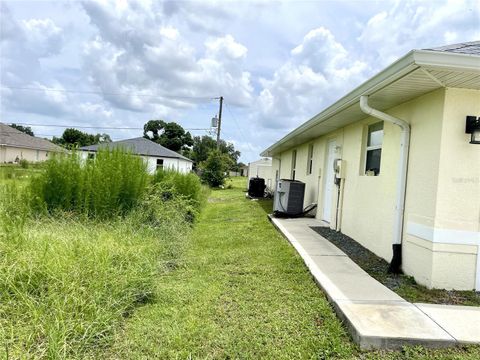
(244, 170)
(155, 155)
(405, 146)
(16, 145)
(263, 168)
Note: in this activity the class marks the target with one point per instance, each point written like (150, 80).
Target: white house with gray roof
(16, 145)
(155, 155)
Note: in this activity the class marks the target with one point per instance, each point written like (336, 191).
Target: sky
(114, 65)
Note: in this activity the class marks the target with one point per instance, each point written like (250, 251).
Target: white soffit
(417, 73)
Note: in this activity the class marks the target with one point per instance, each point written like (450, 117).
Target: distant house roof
(139, 146)
(472, 48)
(15, 138)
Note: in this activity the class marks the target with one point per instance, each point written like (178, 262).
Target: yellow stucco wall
(442, 186)
(458, 202)
(443, 206)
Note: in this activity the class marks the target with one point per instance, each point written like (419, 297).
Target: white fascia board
(400, 68)
(447, 61)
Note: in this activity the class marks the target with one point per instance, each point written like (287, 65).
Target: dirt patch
(403, 285)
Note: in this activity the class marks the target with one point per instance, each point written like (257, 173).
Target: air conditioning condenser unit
(288, 198)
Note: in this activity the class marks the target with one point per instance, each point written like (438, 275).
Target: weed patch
(104, 187)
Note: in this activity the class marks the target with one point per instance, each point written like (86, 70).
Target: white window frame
(372, 147)
(294, 164)
(310, 159)
(160, 166)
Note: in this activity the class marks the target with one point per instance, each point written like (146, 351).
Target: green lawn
(241, 291)
(233, 288)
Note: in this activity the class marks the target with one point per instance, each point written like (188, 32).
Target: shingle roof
(15, 138)
(469, 48)
(140, 146)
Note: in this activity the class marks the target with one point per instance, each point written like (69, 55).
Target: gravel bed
(403, 285)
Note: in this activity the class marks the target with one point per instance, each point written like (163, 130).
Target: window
(91, 156)
(159, 163)
(373, 151)
(294, 163)
(310, 159)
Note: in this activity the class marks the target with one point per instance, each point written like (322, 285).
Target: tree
(214, 168)
(26, 129)
(171, 135)
(73, 137)
(202, 146)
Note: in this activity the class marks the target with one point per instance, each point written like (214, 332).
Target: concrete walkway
(376, 317)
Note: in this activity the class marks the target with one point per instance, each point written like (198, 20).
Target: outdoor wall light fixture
(473, 127)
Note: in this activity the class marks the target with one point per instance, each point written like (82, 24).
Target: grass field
(232, 288)
(241, 292)
(68, 281)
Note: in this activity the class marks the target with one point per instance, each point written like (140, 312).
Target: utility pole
(219, 121)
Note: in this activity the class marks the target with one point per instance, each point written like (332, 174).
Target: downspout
(396, 263)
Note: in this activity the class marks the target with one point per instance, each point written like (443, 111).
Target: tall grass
(67, 284)
(111, 184)
(187, 185)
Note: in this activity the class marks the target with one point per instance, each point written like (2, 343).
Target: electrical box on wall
(339, 168)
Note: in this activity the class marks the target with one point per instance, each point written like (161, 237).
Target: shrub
(24, 163)
(153, 205)
(111, 184)
(214, 170)
(187, 185)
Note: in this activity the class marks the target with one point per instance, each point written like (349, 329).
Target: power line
(97, 127)
(110, 93)
(239, 128)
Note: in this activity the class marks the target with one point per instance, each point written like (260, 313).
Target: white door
(328, 182)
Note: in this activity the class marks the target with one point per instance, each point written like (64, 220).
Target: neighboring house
(16, 145)
(244, 170)
(263, 169)
(156, 156)
(411, 165)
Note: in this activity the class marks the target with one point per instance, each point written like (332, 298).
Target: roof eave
(403, 66)
(447, 60)
(396, 70)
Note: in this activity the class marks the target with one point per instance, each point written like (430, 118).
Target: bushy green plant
(154, 209)
(214, 170)
(24, 163)
(111, 184)
(187, 185)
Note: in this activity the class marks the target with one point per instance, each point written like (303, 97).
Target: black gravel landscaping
(403, 285)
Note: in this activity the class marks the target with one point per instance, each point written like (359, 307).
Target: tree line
(168, 134)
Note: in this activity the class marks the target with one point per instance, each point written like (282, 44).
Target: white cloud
(319, 69)
(138, 52)
(225, 47)
(419, 24)
(43, 37)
